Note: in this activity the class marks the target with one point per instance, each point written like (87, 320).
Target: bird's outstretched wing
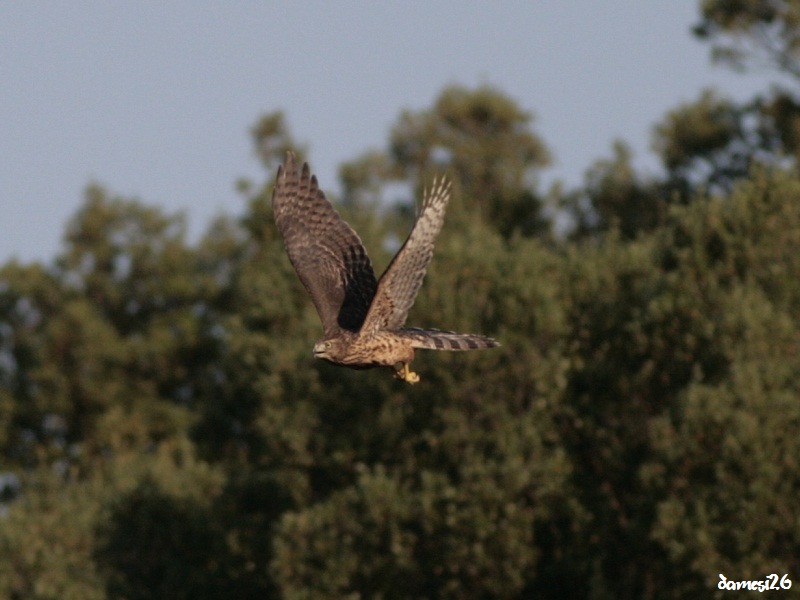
(399, 285)
(325, 251)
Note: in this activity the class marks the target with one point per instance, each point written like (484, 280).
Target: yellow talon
(406, 374)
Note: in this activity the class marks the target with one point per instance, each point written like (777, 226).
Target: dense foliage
(167, 434)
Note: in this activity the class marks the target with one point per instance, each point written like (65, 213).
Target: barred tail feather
(435, 339)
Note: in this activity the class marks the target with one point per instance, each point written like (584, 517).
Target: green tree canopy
(483, 140)
(167, 432)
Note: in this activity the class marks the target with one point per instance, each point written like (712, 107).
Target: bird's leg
(410, 376)
(405, 373)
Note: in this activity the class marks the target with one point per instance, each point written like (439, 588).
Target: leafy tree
(726, 437)
(658, 325)
(752, 34)
(616, 198)
(171, 434)
(443, 487)
(29, 297)
(483, 140)
(47, 539)
(714, 142)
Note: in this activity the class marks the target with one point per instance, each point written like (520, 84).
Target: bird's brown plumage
(362, 319)
(326, 253)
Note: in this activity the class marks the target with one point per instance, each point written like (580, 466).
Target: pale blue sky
(155, 99)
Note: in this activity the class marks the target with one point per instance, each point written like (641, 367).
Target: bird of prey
(362, 319)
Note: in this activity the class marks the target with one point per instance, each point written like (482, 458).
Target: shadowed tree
(713, 142)
(752, 34)
(483, 140)
(167, 431)
(615, 197)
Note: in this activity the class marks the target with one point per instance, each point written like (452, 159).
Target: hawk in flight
(362, 318)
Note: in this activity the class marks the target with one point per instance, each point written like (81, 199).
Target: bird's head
(327, 349)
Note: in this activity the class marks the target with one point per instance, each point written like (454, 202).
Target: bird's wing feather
(398, 286)
(325, 251)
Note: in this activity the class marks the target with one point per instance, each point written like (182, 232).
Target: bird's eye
(327, 345)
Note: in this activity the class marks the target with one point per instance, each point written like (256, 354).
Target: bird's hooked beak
(320, 349)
